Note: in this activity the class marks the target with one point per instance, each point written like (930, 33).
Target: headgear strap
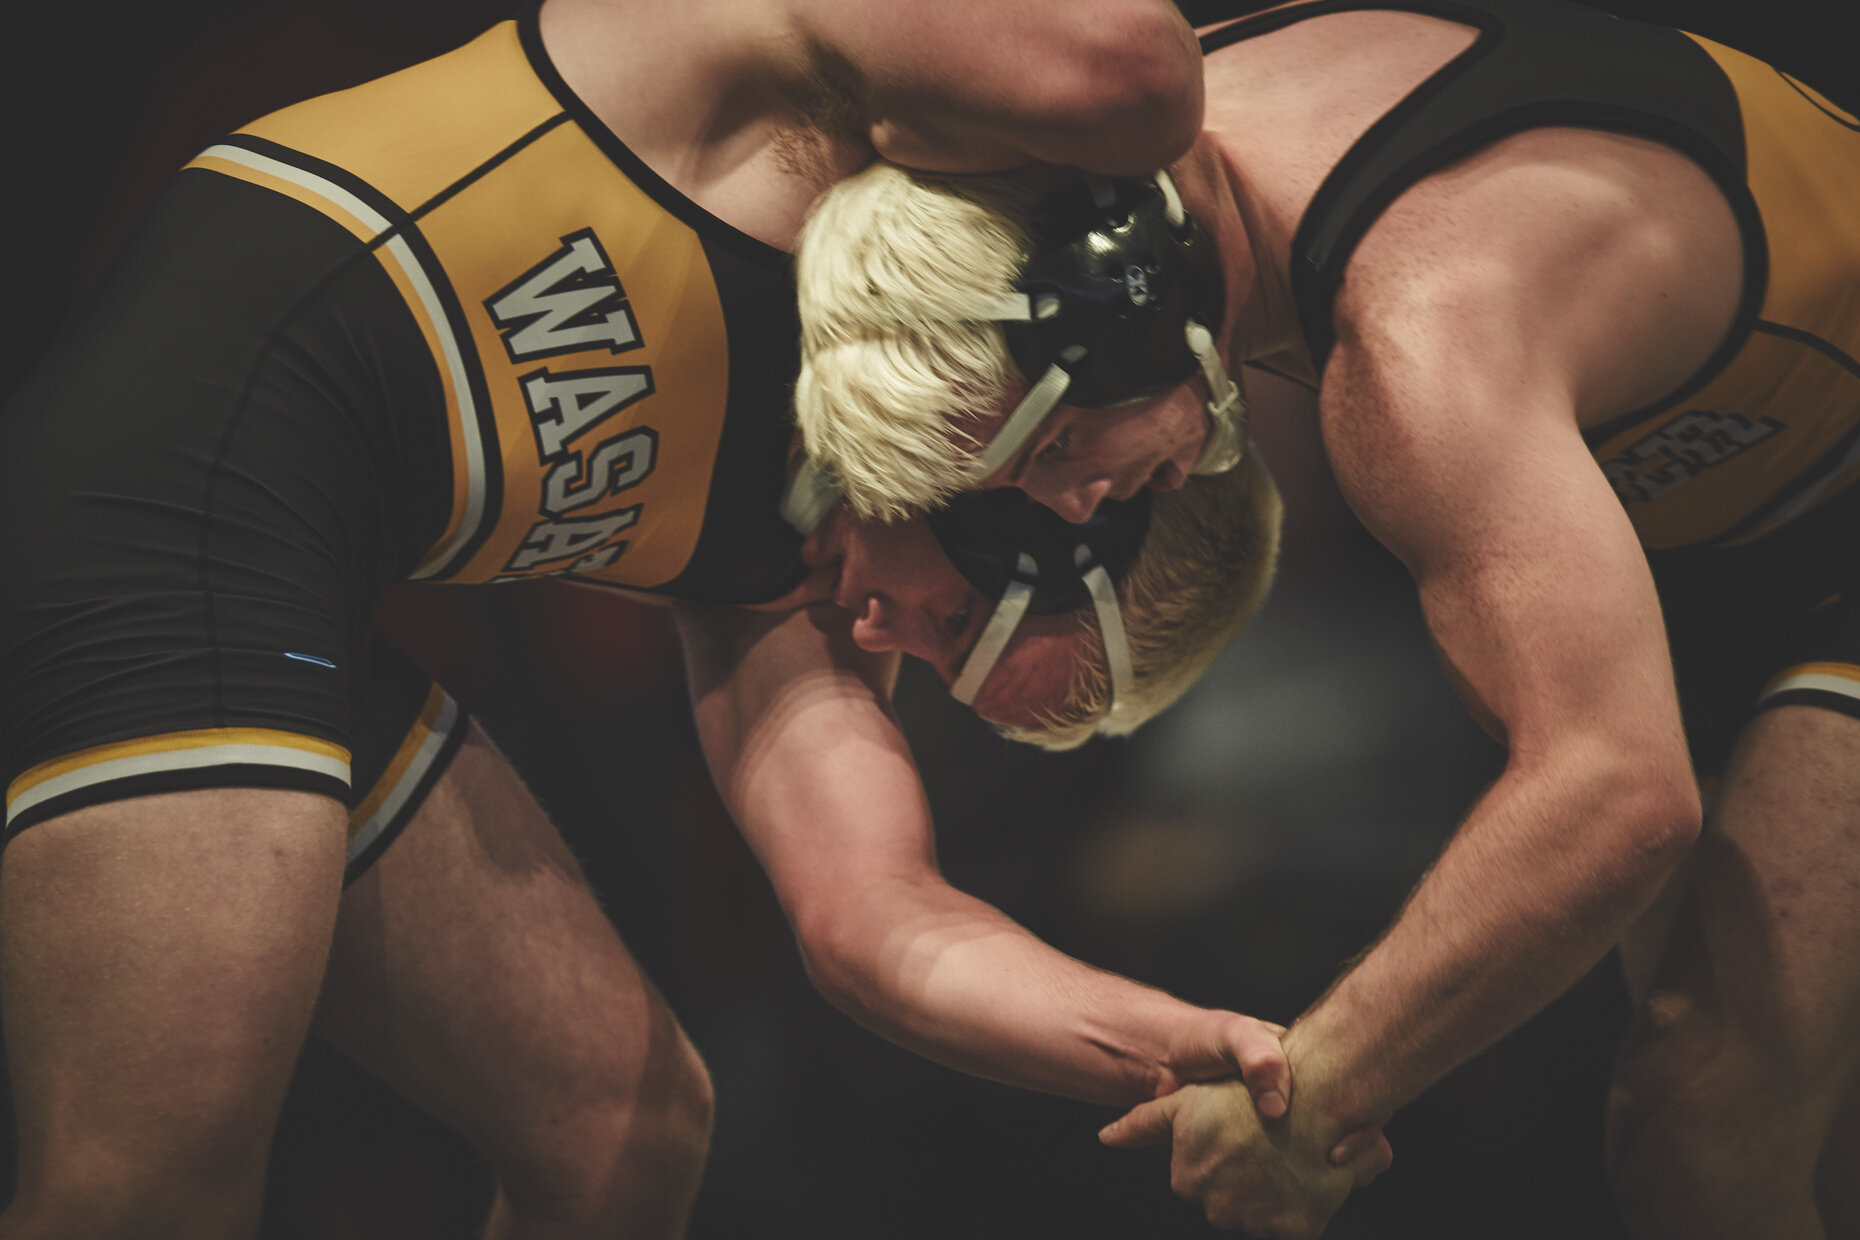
(1012, 609)
(1001, 625)
(1012, 549)
(1175, 280)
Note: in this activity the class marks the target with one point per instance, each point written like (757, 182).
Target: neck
(1261, 321)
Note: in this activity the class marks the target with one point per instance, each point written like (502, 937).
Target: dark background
(1237, 852)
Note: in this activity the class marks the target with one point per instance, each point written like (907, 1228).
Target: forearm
(795, 725)
(956, 981)
(843, 828)
(1543, 878)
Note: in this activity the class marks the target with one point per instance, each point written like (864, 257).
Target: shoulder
(1603, 266)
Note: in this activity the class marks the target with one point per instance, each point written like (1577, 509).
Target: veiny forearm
(1542, 879)
(957, 981)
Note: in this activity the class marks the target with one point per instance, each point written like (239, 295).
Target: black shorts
(205, 488)
(403, 732)
(1771, 623)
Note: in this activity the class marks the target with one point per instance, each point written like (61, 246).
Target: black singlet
(1738, 483)
(442, 326)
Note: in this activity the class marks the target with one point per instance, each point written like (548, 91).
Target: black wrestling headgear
(984, 534)
(1112, 274)
(1031, 561)
(1118, 302)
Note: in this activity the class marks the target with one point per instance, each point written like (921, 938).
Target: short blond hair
(1204, 571)
(898, 274)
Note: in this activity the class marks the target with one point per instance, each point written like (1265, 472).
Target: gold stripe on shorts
(423, 745)
(174, 751)
(1841, 678)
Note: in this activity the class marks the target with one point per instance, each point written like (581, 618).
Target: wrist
(1326, 1087)
(1151, 1041)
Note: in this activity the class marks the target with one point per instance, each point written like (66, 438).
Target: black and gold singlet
(1771, 425)
(442, 326)
(615, 363)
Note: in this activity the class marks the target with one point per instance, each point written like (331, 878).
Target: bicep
(1474, 338)
(1534, 586)
(796, 724)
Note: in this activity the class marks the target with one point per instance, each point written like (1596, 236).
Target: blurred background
(1237, 852)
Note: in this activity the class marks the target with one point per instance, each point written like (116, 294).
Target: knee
(673, 1110)
(1669, 1046)
(1664, 1112)
(1702, 1128)
(631, 1143)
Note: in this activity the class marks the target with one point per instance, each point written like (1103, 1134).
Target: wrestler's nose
(1077, 501)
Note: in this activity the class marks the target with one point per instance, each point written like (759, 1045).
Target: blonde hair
(898, 274)
(1206, 565)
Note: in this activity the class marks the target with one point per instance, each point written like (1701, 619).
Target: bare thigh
(160, 958)
(1745, 1041)
(474, 971)
(1770, 943)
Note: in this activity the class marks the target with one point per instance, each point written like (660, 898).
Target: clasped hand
(1239, 1148)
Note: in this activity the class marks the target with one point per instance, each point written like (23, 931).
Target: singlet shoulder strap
(1256, 24)
(1534, 63)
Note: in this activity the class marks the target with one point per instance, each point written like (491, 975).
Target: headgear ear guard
(1032, 561)
(1117, 303)
(1111, 272)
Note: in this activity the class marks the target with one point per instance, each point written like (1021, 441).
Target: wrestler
(504, 314)
(1577, 298)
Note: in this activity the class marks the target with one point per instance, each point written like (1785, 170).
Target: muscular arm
(1539, 599)
(1112, 86)
(1452, 409)
(797, 727)
(1486, 317)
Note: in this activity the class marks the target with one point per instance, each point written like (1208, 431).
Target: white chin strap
(1027, 416)
(1227, 410)
(1012, 608)
(1227, 407)
(995, 634)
